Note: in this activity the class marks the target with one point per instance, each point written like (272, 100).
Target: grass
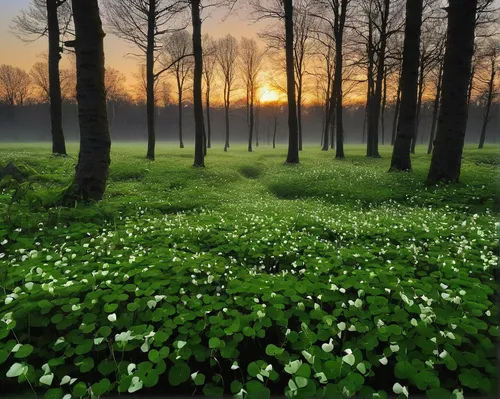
(249, 277)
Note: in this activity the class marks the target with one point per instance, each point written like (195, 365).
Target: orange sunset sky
(15, 52)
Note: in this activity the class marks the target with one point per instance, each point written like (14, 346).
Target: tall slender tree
(227, 55)
(489, 94)
(293, 135)
(178, 49)
(409, 84)
(251, 64)
(209, 68)
(95, 143)
(448, 147)
(199, 138)
(143, 23)
(51, 19)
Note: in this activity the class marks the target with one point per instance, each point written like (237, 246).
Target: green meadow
(248, 277)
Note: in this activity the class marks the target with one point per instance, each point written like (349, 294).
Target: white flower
(398, 389)
(383, 361)
(112, 317)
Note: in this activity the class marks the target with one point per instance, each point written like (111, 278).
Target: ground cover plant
(332, 278)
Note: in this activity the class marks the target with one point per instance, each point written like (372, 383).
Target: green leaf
(273, 350)
(24, 351)
(154, 356)
(101, 387)
(214, 343)
(54, 393)
(80, 389)
(301, 381)
(253, 369)
(178, 374)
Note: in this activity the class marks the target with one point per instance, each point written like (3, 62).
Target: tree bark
(197, 83)
(58, 142)
(491, 90)
(435, 109)
(409, 86)
(179, 105)
(396, 114)
(384, 103)
(95, 143)
(227, 94)
(419, 102)
(339, 25)
(150, 81)
(448, 147)
(330, 109)
(299, 112)
(209, 124)
(251, 123)
(293, 134)
(375, 101)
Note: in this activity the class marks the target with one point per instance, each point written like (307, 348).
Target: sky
(15, 52)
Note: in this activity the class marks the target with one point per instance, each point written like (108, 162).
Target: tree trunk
(197, 83)
(150, 80)
(251, 123)
(58, 143)
(435, 109)
(209, 124)
(384, 103)
(396, 114)
(299, 112)
(491, 90)
(257, 125)
(179, 105)
(339, 37)
(419, 102)
(226, 113)
(293, 134)
(375, 101)
(226, 109)
(328, 122)
(95, 143)
(448, 146)
(409, 86)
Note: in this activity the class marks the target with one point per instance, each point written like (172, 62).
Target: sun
(268, 95)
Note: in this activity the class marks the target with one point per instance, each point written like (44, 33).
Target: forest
(309, 212)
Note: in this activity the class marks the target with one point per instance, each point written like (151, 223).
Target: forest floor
(333, 277)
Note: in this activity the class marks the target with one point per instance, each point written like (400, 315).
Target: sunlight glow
(268, 95)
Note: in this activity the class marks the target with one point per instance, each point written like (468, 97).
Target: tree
(199, 152)
(95, 143)
(492, 54)
(143, 23)
(382, 21)
(15, 85)
(409, 84)
(178, 48)
(336, 20)
(50, 18)
(251, 64)
(293, 136)
(209, 65)
(448, 146)
(284, 10)
(39, 74)
(114, 86)
(436, 102)
(431, 46)
(227, 54)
